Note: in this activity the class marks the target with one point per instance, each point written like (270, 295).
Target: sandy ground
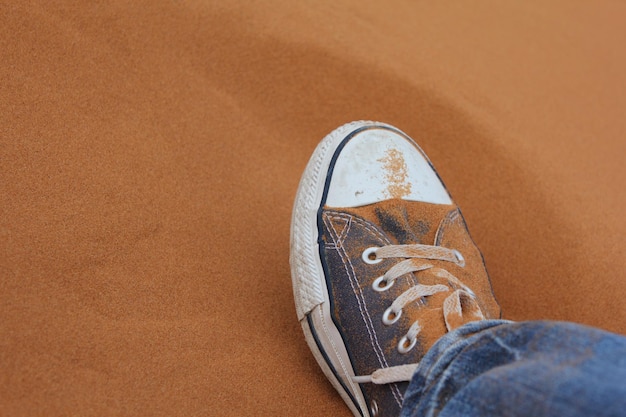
(150, 154)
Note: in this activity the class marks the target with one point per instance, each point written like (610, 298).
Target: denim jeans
(502, 368)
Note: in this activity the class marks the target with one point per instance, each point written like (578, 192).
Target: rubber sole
(307, 273)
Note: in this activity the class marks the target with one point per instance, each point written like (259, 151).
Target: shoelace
(414, 256)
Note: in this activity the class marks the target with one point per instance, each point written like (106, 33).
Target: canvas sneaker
(382, 263)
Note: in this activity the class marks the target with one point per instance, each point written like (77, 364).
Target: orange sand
(150, 154)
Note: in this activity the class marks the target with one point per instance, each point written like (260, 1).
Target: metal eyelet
(374, 408)
(390, 316)
(460, 260)
(369, 256)
(376, 285)
(403, 347)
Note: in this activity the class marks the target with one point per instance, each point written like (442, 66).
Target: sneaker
(382, 263)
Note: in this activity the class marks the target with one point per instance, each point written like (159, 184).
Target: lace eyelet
(390, 316)
(374, 408)
(369, 256)
(402, 345)
(376, 285)
(460, 260)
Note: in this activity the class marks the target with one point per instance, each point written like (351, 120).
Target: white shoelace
(413, 262)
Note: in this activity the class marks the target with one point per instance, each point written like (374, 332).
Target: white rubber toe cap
(378, 164)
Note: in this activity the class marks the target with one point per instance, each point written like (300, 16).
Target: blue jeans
(501, 368)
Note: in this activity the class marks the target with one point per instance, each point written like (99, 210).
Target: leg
(499, 368)
(383, 267)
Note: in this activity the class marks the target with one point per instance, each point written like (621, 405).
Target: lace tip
(366, 379)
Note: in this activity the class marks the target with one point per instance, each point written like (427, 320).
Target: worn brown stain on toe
(395, 174)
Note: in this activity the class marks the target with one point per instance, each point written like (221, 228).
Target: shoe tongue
(405, 222)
